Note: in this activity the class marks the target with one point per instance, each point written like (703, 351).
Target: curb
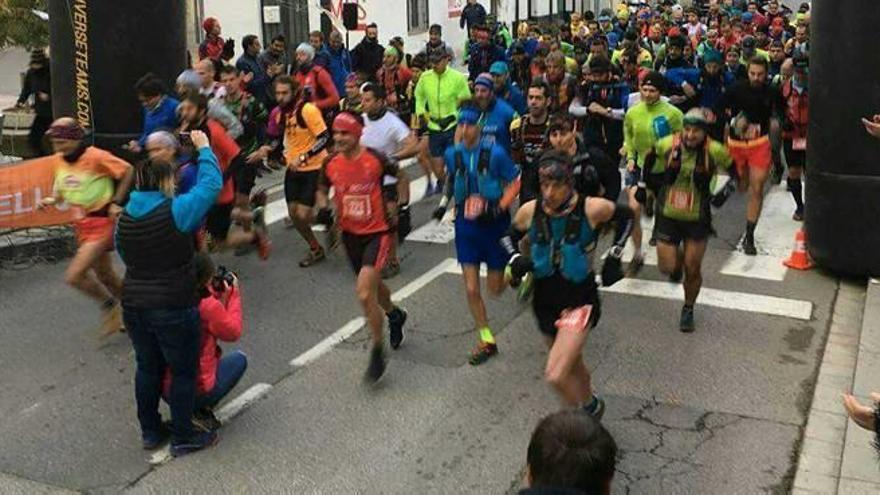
(836, 455)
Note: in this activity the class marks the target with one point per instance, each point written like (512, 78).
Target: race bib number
(799, 144)
(575, 320)
(474, 206)
(356, 207)
(681, 199)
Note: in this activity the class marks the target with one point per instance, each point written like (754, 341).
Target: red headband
(345, 122)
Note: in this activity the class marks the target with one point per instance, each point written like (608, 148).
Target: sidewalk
(836, 455)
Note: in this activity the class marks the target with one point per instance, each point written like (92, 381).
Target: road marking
(741, 301)
(434, 232)
(762, 266)
(353, 326)
(225, 414)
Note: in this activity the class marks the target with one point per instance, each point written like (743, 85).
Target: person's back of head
(571, 450)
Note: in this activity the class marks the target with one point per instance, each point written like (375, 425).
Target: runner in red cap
(366, 196)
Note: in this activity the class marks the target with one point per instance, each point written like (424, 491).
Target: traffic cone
(799, 259)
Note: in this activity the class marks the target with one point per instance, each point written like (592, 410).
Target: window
(417, 21)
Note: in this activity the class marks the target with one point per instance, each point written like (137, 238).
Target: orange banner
(22, 186)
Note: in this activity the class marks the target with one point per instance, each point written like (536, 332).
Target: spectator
(340, 61)
(436, 44)
(212, 46)
(220, 319)
(570, 452)
(253, 73)
(322, 56)
(274, 58)
(472, 15)
(316, 83)
(160, 110)
(37, 82)
(159, 293)
(367, 56)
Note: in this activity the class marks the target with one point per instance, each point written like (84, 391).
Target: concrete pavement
(719, 411)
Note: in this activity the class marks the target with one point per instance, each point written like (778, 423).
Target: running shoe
(596, 408)
(205, 420)
(391, 270)
(526, 288)
(798, 215)
(748, 246)
(686, 324)
(482, 353)
(154, 440)
(111, 321)
(261, 236)
(377, 367)
(314, 256)
(200, 440)
(635, 266)
(396, 320)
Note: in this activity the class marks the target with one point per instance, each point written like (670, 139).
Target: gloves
(324, 217)
(404, 223)
(438, 213)
(641, 193)
(611, 271)
(717, 200)
(520, 265)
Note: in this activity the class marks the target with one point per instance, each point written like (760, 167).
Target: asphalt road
(718, 411)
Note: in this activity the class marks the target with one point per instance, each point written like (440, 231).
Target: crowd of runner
(552, 137)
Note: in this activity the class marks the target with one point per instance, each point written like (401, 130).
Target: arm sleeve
(190, 208)
(224, 323)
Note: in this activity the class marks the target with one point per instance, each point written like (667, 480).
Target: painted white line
(234, 407)
(741, 301)
(775, 232)
(353, 326)
(762, 267)
(455, 269)
(226, 413)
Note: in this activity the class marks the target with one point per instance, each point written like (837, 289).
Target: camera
(223, 279)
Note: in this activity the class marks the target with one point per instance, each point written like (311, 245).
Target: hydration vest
(490, 188)
(559, 244)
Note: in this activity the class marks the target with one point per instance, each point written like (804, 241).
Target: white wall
(237, 19)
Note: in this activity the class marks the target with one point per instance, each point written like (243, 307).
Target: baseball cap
(498, 68)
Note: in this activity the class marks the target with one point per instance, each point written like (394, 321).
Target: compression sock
(750, 230)
(314, 246)
(795, 187)
(486, 335)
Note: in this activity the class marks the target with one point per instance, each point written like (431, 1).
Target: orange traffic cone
(799, 259)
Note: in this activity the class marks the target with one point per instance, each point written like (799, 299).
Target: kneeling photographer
(220, 315)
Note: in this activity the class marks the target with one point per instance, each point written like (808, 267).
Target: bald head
(205, 70)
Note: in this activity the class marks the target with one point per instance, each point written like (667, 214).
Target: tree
(19, 26)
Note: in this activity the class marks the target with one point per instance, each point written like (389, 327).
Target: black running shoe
(377, 367)
(686, 323)
(154, 440)
(749, 248)
(200, 440)
(396, 319)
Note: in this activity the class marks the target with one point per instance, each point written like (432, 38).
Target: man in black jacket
(37, 82)
(366, 57)
(472, 15)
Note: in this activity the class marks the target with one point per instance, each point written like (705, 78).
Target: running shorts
(95, 229)
(367, 249)
(477, 243)
(750, 154)
(301, 187)
(554, 294)
(673, 231)
(218, 221)
(439, 141)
